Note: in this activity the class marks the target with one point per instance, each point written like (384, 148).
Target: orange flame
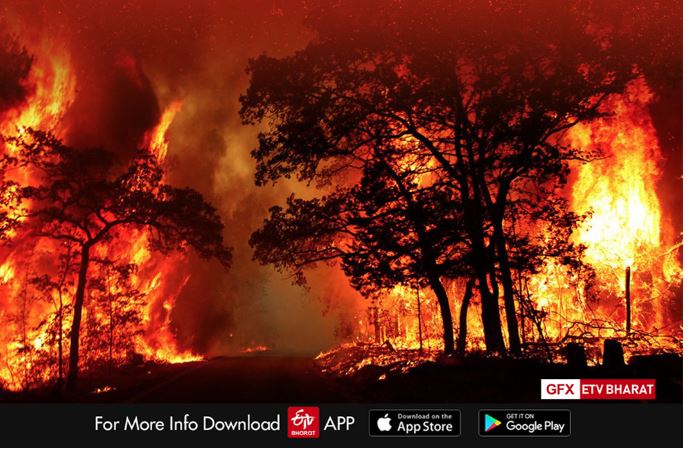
(626, 228)
(621, 189)
(30, 327)
(157, 139)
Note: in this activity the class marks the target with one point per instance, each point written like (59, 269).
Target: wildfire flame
(626, 233)
(52, 89)
(27, 339)
(620, 190)
(624, 226)
(157, 140)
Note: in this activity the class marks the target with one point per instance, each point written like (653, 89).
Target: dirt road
(251, 379)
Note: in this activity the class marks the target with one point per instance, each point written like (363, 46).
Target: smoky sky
(15, 64)
(133, 58)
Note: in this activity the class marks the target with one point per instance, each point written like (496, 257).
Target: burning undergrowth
(354, 360)
(377, 373)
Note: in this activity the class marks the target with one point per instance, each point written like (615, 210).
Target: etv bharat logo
(304, 422)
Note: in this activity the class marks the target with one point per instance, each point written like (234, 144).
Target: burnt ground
(266, 378)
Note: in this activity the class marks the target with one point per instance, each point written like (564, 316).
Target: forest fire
(35, 330)
(472, 195)
(627, 242)
(53, 91)
(627, 239)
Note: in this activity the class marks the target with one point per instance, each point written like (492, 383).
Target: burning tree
(483, 111)
(87, 198)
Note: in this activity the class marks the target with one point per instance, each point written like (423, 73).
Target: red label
(303, 422)
(620, 389)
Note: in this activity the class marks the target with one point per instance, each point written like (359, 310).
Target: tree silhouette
(483, 93)
(120, 303)
(86, 197)
(54, 288)
(386, 230)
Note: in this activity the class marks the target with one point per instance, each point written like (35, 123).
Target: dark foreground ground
(246, 379)
(264, 378)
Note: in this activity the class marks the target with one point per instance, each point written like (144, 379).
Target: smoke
(15, 64)
(116, 110)
(133, 59)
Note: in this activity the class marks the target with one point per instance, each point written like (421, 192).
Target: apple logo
(384, 423)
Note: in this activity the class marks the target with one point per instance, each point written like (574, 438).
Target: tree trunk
(463, 317)
(628, 302)
(60, 317)
(508, 293)
(76, 322)
(60, 352)
(419, 315)
(493, 337)
(445, 309)
(111, 342)
(429, 261)
(491, 319)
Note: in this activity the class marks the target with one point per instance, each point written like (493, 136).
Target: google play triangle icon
(490, 423)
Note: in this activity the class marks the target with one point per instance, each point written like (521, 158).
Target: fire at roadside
(380, 373)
